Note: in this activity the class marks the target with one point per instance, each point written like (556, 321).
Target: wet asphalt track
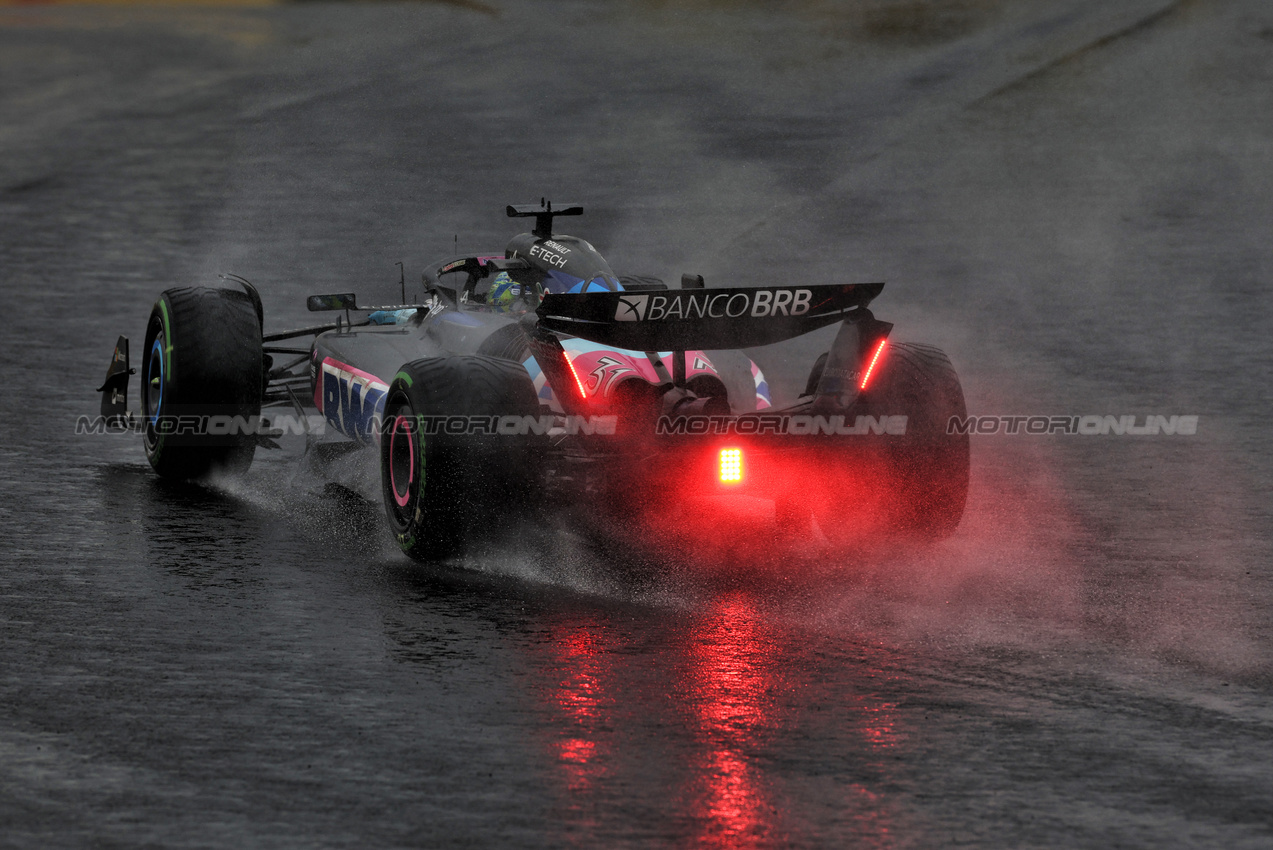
(1074, 201)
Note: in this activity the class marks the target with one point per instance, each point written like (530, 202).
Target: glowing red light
(731, 466)
(583, 394)
(733, 686)
(577, 750)
(879, 349)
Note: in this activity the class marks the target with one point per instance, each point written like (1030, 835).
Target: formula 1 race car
(539, 376)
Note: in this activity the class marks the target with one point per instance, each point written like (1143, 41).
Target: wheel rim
(402, 457)
(155, 381)
(154, 377)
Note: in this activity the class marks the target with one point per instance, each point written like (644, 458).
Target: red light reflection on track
(579, 698)
(743, 674)
(700, 725)
(732, 683)
(878, 726)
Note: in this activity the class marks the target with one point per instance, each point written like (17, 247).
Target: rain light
(731, 466)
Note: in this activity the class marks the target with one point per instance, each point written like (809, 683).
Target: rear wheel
(914, 484)
(443, 488)
(202, 382)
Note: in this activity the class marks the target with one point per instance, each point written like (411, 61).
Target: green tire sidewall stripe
(168, 366)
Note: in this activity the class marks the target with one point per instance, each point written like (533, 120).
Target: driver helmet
(504, 293)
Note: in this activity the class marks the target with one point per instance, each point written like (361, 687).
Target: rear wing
(681, 319)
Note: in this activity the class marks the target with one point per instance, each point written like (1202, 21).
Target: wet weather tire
(931, 462)
(201, 382)
(442, 490)
(914, 484)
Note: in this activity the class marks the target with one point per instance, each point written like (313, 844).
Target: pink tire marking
(393, 480)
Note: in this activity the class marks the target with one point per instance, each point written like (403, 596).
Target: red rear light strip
(879, 349)
(583, 394)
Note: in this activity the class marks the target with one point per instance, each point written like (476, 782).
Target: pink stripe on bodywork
(341, 367)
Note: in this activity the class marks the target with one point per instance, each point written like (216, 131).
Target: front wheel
(202, 382)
